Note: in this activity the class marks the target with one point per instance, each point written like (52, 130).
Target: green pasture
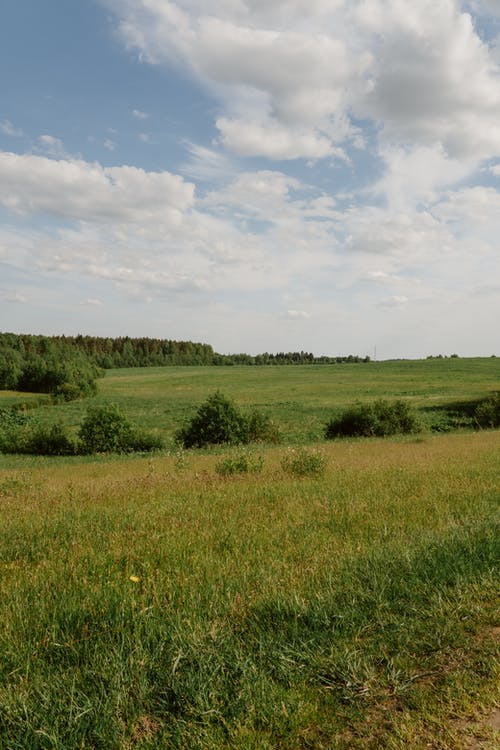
(299, 398)
(149, 603)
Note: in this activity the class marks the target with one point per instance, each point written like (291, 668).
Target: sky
(259, 175)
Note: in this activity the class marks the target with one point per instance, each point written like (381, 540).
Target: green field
(150, 603)
(300, 398)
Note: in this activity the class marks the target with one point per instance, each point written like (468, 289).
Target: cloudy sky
(260, 175)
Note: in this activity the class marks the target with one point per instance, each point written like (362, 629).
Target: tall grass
(151, 603)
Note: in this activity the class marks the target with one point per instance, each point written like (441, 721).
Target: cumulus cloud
(292, 76)
(433, 79)
(272, 140)
(139, 114)
(89, 192)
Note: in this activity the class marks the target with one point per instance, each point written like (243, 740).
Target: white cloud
(109, 144)
(139, 114)
(52, 146)
(434, 80)
(417, 175)
(396, 301)
(290, 75)
(206, 164)
(412, 236)
(89, 192)
(272, 140)
(93, 302)
(9, 295)
(298, 314)
(7, 128)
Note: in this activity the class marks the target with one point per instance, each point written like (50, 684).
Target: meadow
(149, 602)
(299, 398)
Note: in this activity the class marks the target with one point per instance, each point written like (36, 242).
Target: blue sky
(255, 174)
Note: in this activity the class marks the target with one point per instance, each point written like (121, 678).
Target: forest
(68, 366)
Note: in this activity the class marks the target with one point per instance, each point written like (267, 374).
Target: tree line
(68, 366)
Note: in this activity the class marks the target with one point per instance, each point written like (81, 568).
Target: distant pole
(375, 353)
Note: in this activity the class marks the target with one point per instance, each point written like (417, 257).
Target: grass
(301, 399)
(151, 602)
(349, 603)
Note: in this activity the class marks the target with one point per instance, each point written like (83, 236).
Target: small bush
(378, 419)
(216, 422)
(45, 440)
(244, 463)
(106, 430)
(69, 392)
(304, 463)
(262, 429)
(12, 424)
(487, 413)
(144, 442)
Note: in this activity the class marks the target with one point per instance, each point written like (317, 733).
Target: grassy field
(300, 398)
(149, 603)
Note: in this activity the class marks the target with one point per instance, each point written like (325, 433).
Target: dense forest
(68, 366)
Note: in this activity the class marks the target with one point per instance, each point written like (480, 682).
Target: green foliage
(44, 365)
(304, 463)
(20, 433)
(45, 440)
(12, 421)
(262, 429)
(216, 422)
(243, 463)
(487, 413)
(377, 419)
(106, 430)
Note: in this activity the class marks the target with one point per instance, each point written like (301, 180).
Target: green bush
(262, 429)
(304, 463)
(43, 440)
(244, 463)
(378, 419)
(216, 422)
(487, 413)
(20, 433)
(12, 422)
(106, 430)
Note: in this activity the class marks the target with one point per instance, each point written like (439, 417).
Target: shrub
(304, 463)
(217, 421)
(144, 442)
(44, 440)
(244, 463)
(12, 423)
(377, 419)
(106, 430)
(487, 413)
(20, 433)
(262, 429)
